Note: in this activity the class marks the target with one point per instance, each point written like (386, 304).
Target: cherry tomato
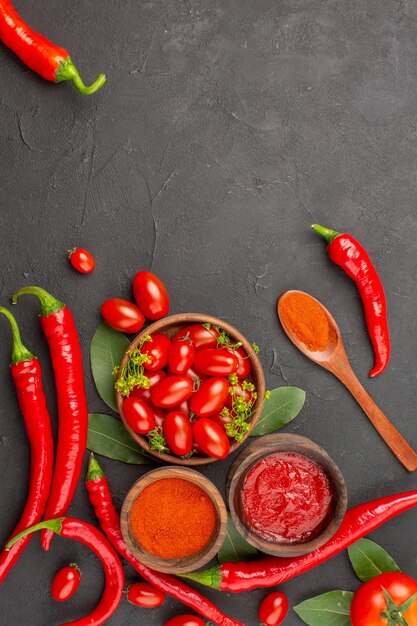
(138, 415)
(145, 595)
(158, 351)
(214, 362)
(159, 415)
(273, 609)
(221, 421)
(245, 366)
(200, 336)
(369, 602)
(211, 397)
(185, 620)
(181, 356)
(239, 393)
(122, 315)
(151, 295)
(154, 377)
(184, 408)
(65, 583)
(178, 433)
(171, 391)
(81, 260)
(211, 438)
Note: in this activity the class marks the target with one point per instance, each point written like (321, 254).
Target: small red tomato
(122, 315)
(65, 582)
(157, 350)
(145, 595)
(81, 260)
(181, 356)
(218, 418)
(159, 415)
(214, 362)
(273, 609)
(178, 433)
(185, 620)
(211, 438)
(151, 295)
(154, 377)
(184, 408)
(239, 393)
(211, 397)
(245, 367)
(200, 336)
(171, 391)
(138, 415)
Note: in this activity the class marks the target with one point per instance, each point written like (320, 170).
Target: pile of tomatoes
(189, 388)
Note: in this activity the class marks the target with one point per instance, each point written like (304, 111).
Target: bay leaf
(281, 407)
(107, 436)
(235, 548)
(328, 609)
(369, 560)
(106, 351)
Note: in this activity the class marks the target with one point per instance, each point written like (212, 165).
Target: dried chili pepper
(272, 571)
(42, 56)
(83, 532)
(27, 376)
(101, 499)
(345, 251)
(59, 328)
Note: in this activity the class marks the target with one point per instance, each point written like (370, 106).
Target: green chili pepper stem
(19, 351)
(211, 577)
(52, 524)
(327, 233)
(68, 71)
(94, 471)
(48, 303)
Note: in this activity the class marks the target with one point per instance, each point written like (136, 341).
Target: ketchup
(286, 498)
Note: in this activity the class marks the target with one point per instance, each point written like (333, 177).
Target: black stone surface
(225, 129)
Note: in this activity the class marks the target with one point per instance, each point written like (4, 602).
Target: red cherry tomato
(159, 415)
(185, 620)
(154, 377)
(200, 336)
(214, 362)
(239, 393)
(151, 295)
(65, 583)
(122, 315)
(178, 433)
(181, 356)
(145, 595)
(158, 351)
(217, 418)
(138, 415)
(171, 391)
(245, 366)
(273, 609)
(211, 438)
(81, 260)
(184, 408)
(369, 603)
(211, 397)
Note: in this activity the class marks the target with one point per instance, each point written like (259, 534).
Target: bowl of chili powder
(174, 520)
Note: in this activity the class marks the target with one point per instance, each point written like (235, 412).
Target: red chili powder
(173, 518)
(286, 498)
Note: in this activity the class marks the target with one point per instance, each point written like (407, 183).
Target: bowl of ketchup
(286, 495)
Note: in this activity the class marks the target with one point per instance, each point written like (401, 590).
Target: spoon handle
(394, 440)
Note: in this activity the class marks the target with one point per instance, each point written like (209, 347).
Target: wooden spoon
(334, 359)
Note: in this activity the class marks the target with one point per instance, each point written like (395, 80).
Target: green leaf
(107, 436)
(106, 351)
(329, 609)
(369, 560)
(281, 407)
(235, 548)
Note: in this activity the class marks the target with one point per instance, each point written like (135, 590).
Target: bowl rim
(257, 374)
(286, 442)
(181, 565)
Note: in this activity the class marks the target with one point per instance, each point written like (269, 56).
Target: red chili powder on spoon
(173, 518)
(306, 319)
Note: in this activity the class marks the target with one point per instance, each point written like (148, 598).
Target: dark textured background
(225, 129)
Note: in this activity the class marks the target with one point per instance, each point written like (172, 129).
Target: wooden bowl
(185, 564)
(170, 326)
(271, 444)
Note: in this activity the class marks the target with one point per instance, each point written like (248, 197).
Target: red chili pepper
(72, 528)
(61, 334)
(100, 498)
(26, 372)
(271, 571)
(42, 56)
(345, 251)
